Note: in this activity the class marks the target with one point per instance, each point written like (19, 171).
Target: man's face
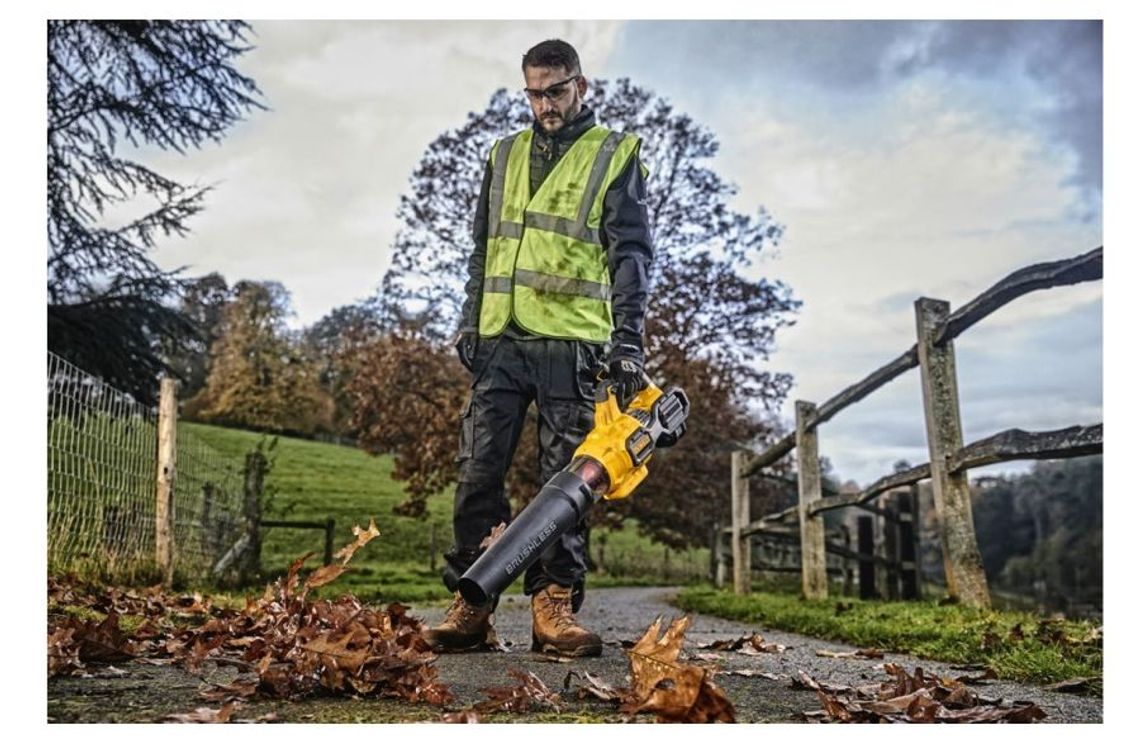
(563, 98)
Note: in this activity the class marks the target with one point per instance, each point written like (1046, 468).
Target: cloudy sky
(905, 159)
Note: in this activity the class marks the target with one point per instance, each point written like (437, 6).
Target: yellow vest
(546, 266)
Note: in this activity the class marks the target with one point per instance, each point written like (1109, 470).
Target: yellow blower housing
(609, 464)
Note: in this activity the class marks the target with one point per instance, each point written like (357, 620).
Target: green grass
(951, 633)
(314, 481)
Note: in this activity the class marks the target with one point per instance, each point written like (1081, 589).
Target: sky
(904, 159)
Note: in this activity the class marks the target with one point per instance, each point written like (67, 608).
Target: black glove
(466, 346)
(626, 373)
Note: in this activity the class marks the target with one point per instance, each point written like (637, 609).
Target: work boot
(555, 629)
(464, 627)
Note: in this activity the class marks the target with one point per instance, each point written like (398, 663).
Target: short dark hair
(552, 53)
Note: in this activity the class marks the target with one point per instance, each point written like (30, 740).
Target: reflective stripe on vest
(545, 264)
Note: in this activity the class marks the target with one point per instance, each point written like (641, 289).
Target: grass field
(314, 481)
(1016, 645)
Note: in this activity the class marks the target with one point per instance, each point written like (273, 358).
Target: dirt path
(147, 693)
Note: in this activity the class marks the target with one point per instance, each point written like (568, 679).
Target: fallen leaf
(594, 687)
(518, 698)
(752, 645)
(756, 673)
(756, 645)
(204, 715)
(982, 678)
(714, 658)
(1076, 684)
(241, 688)
(662, 684)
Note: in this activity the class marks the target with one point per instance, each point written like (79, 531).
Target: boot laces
(461, 611)
(563, 616)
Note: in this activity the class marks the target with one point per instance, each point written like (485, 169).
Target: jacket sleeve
(629, 245)
(469, 314)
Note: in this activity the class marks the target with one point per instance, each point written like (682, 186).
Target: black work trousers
(509, 374)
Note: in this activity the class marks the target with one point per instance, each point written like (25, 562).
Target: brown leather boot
(465, 627)
(555, 629)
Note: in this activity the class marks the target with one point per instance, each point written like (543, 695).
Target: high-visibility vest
(546, 266)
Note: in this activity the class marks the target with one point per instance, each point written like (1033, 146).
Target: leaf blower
(609, 464)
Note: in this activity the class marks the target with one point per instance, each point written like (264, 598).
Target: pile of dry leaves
(286, 644)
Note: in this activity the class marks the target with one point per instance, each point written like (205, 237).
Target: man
(558, 284)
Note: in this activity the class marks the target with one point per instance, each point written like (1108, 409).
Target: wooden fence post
(813, 552)
(210, 543)
(256, 466)
(330, 529)
(965, 577)
(866, 546)
(164, 487)
(741, 548)
(720, 558)
(908, 553)
(848, 572)
(889, 506)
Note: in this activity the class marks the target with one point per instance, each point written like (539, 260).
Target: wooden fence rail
(950, 458)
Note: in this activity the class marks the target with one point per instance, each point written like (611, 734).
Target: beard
(552, 119)
(557, 119)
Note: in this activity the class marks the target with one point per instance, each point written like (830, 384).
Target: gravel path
(625, 613)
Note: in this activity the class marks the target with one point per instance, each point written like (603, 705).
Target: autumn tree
(331, 343)
(259, 378)
(113, 87)
(203, 302)
(709, 329)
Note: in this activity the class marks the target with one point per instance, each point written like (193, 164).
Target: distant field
(313, 481)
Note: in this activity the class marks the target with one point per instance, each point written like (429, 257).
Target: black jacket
(624, 231)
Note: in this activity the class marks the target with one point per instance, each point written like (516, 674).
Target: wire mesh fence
(207, 503)
(102, 470)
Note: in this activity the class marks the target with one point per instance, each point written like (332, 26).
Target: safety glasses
(550, 92)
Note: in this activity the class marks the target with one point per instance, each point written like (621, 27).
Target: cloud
(1065, 58)
(307, 192)
(1036, 73)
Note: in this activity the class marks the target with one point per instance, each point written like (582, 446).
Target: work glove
(466, 345)
(626, 373)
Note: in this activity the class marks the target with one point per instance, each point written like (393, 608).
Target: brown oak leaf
(363, 536)
(671, 689)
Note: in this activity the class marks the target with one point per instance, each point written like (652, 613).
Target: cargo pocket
(580, 421)
(587, 362)
(467, 429)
